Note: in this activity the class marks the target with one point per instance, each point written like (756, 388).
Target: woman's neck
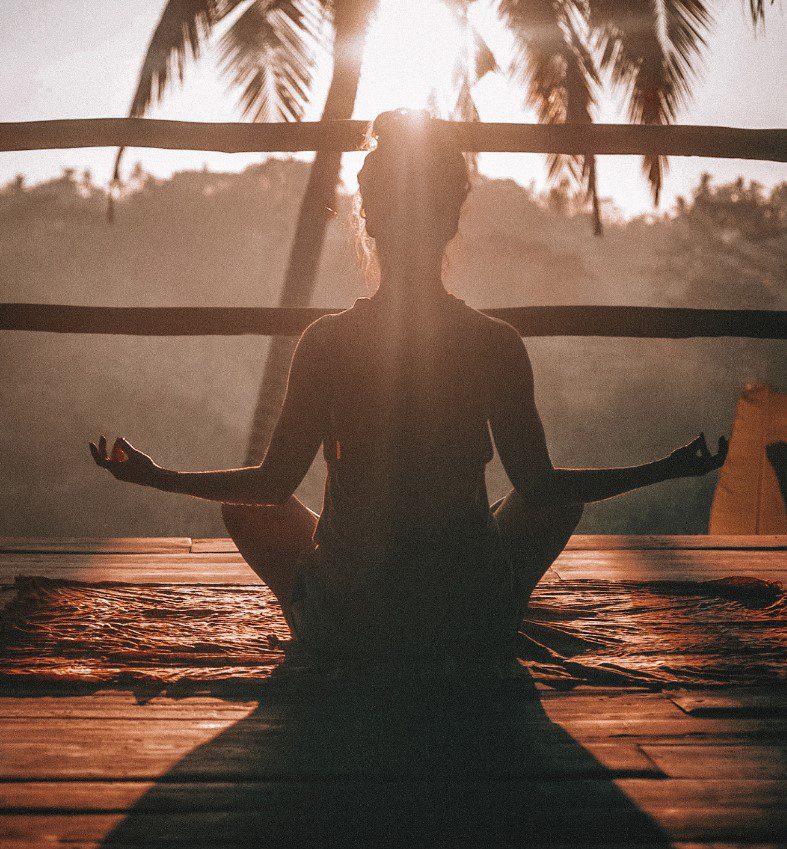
(411, 275)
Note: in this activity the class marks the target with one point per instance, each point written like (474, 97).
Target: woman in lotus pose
(407, 558)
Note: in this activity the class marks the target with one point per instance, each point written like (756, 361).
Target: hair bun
(407, 128)
(400, 125)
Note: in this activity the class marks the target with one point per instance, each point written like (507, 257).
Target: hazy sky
(80, 58)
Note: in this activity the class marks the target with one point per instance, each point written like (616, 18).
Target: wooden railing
(638, 322)
(685, 140)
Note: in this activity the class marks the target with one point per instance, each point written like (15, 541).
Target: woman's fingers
(127, 446)
(120, 450)
(96, 455)
(721, 454)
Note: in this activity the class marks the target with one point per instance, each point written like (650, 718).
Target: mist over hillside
(203, 238)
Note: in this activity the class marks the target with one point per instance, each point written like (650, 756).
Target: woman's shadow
(392, 765)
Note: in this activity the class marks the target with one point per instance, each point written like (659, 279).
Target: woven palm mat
(662, 634)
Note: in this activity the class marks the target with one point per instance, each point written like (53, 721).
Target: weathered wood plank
(669, 575)
(198, 844)
(620, 139)
(589, 702)
(603, 542)
(674, 731)
(608, 321)
(729, 792)
(311, 814)
(130, 560)
(44, 717)
(170, 568)
(740, 703)
(650, 794)
(212, 545)
(719, 761)
(670, 564)
(616, 704)
(96, 545)
(101, 749)
(218, 545)
(228, 567)
(123, 705)
(717, 560)
(574, 844)
(128, 726)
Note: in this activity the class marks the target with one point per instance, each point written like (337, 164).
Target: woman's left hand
(125, 462)
(695, 459)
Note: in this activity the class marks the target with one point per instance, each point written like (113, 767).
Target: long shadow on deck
(383, 767)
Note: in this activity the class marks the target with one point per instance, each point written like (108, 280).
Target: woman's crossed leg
(273, 540)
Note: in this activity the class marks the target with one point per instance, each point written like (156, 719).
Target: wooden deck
(536, 768)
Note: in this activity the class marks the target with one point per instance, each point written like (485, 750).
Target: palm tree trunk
(351, 19)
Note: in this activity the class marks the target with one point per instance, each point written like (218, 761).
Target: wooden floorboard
(96, 545)
(604, 542)
(136, 568)
(228, 567)
(596, 766)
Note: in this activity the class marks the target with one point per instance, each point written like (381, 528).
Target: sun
(411, 50)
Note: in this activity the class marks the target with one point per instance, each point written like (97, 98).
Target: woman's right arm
(519, 436)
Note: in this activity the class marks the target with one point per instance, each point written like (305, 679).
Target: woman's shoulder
(325, 332)
(494, 331)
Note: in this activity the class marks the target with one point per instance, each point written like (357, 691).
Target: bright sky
(80, 58)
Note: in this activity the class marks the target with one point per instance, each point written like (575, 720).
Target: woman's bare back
(406, 437)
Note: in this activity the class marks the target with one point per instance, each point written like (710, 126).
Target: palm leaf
(757, 10)
(269, 52)
(474, 60)
(556, 68)
(465, 109)
(651, 48)
(484, 60)
(180, 34)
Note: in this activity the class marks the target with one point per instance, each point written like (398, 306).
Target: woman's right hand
(695, 459)
(125, 462)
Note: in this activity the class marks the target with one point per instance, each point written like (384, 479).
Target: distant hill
(205, 238)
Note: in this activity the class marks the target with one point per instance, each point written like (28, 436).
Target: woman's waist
(395, 533)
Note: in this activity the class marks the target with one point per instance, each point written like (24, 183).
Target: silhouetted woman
(407, 559)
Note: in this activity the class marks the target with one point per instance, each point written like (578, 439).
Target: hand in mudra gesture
(125, 462)
(695, 459)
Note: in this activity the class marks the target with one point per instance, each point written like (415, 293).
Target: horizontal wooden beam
(720, 142)
(632, 322)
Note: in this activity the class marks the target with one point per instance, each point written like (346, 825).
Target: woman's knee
(286, 527)
(237, 515)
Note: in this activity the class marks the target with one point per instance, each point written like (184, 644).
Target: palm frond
(485, 62)
(465, 109)
(554, 64)
(474, 60)
(180, 34)
(269, 52)
(757, 11)
(651, 48)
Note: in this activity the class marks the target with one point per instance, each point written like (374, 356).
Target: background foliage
(204, 238)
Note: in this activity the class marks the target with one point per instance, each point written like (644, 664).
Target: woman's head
(412, 185)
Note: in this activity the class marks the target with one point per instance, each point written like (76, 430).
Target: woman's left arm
(294, 444)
